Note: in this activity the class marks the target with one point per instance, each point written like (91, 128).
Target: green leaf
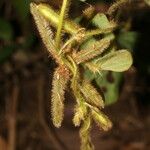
(6, 31)
(127, 39)
(101, 21)
(117, 61)
(110, 88)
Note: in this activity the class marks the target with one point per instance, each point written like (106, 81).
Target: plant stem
(74, 82)
(60, 24)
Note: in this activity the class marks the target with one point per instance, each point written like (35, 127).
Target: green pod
(69, 26)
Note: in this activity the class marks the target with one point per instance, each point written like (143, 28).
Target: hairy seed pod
(94, 50)
(88, 12)
(45, 31)
(80, 113)
(91, 95)
(60, 79)
(116, 5)
(101, 120)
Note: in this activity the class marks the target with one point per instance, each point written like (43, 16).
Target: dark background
(25, 84)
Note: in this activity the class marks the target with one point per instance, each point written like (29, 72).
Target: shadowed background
(25, 83)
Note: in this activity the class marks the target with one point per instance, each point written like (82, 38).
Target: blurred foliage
(110, 83)
(5, 52)
(22, 8)
(148, 2)
(13, 29)
(6, 30)
(127, 39)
